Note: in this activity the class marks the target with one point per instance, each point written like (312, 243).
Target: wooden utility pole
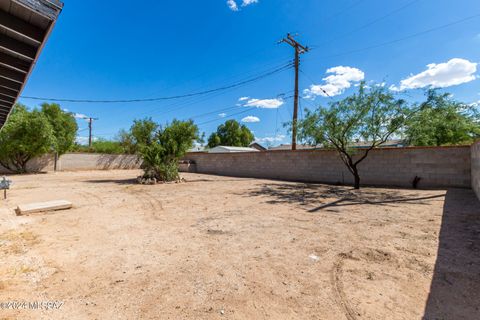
(299, 49)
(90, 120)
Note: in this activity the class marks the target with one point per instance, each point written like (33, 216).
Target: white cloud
(243, 98)
(475, 104)
(340, 79)
(248, 2)
(84, 140)
(232, 5)
(251, 119)
(276, 138)
(442, 75)
(80, 116)
(222, 115)
(264, 103)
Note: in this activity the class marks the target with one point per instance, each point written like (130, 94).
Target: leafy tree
(141, 134)
(440, 120)
(64, 127)
(231, 133)
(170, 143)
(102, 146)
(26, 135)
(372, 115)
(126, 141)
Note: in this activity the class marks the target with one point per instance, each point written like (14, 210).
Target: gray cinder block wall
(82, 161)
(438, 167)
(476, 168)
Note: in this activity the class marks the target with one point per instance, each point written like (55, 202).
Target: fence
(476, 168)
(436, 167)
(82, 161)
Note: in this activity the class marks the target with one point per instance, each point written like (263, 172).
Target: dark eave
(24, 28)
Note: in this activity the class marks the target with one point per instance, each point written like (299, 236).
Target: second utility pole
(299, 49)
(90, 131)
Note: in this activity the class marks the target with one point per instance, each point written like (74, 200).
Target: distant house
(257, 146)
(357, 145)
(197, 149)
(226, 149)
(388, 144)
(289, 147)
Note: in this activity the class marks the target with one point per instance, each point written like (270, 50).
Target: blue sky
(100, 50)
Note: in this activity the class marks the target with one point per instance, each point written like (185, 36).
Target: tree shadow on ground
(324, 196)
(116, 181)
(455, 288)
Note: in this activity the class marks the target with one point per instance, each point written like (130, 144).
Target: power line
(182, 105)
(299, 49)
(344, 35)
(339, 13)
(323, 90)
(403, 38)
(284, 67)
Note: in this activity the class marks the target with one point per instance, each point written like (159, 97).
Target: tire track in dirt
(89, 195)
(337, 285)
(149, 203)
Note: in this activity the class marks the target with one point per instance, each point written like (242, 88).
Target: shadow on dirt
(455, 288)
(116, 181)
(325, 196)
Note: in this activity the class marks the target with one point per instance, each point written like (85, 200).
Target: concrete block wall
(43, 163)
(440, 167)
(82, 161)
(95, 161)
(475, 152)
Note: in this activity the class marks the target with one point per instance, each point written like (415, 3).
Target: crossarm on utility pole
(299, 49)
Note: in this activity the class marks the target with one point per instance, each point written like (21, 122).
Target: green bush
(160, 158)
(26, 135)
(101, 146)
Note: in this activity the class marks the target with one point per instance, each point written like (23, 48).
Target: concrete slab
(43, 206)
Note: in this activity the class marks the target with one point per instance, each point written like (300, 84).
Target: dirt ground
(231, 248)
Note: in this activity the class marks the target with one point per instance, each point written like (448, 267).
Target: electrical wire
(403, 38)
(257, 78)
(344, 35)
(182, 105)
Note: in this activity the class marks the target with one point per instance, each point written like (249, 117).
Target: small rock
(314, 257)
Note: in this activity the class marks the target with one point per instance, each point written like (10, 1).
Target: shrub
(160, 158)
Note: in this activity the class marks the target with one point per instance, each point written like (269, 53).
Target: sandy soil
(230, 248)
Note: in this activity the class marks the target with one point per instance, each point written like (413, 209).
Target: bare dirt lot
(230, 248)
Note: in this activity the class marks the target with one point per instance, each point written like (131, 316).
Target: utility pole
(299, 49)
(90, 120)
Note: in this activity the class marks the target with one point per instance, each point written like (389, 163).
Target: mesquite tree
(372, 115)
(26, 135)
(169, 144)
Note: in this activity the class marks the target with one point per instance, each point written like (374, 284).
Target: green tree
(64, 127)
(141, 134)
(441, 120)
(170, 143)
(372, 115)
(26, 135)
(102, 146)
(231, 133)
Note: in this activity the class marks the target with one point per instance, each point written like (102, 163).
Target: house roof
(388, 143)
(289, 147)
(227, 149)
(257, 146)
(24, 29)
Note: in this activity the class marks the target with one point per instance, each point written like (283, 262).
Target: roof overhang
(24, 28)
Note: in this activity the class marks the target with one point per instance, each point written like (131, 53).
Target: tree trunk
(356, 177)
